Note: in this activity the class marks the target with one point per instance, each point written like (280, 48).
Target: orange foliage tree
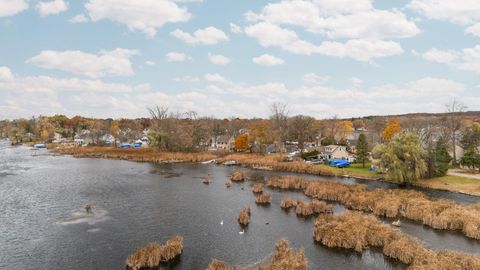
(392, 128)
(241, 142)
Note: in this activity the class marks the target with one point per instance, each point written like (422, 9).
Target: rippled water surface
(43, 224)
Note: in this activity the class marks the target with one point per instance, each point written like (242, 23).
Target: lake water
(43, 224)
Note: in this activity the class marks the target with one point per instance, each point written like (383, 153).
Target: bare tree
(301, 128)
(453, 122)
(279, 119)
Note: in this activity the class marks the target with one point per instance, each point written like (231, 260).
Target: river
(43, 224)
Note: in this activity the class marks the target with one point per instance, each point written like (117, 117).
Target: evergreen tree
(442, 158)
(471, 159)
(362, 150)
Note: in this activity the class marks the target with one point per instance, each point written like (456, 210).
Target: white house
(335, 152)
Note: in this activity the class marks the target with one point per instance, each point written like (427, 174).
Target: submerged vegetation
(284, 258)
(153, 254)
(354, 230)
(244, 216)
(414, 205)
(264, 198)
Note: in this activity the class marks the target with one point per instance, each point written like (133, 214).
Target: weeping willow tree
(402, 158)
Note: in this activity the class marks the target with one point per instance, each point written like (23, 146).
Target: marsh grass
(288, 203)
(264, 198)
(257, 188)
(153, 254)
(238, 176)
(392, 203)
(244, 216)
(358, 231)
(284, 258)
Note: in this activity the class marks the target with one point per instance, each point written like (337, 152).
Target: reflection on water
(44, 226)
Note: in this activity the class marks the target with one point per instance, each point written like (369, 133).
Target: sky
(323, 58)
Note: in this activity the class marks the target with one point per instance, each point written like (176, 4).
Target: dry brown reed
(244, 216)
(238, 176)
(284, 258)
(153, 254)
(264, 198)
(414, 205)
(287, 182)
(257, 188)
(358, 231)
(287, 258)
(139, 155)
(288, 203)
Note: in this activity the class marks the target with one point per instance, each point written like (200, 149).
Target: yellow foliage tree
(393, 127)
(241, 142)
(344, 128)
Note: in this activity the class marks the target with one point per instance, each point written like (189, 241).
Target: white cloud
(12, 7)
(106, 63)
(142, 15)
(206, 36)
(474, 29)
(217, 78)
(269, 35)
(235, 28)
(356, 81)
(339, 19)
(51, 7)
(465, 59)
(5, 74)
(187, 79)
(149, 63)
(213, 89)
(79, 18)
(361, 50)
(267, 60)
(177, 57)
(218, 59)
(312, 78)
(463, 12)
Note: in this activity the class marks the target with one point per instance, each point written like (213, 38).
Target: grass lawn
(353, 170)
(453, 183)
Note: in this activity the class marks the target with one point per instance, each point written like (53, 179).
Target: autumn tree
(393, 127)
(241, 142)
(362, 150)
(402, 158)
(114, 131)
(344, 128)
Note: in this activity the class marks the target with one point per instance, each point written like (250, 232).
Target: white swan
(221, 222)
(241, 232)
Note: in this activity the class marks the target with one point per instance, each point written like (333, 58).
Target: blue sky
(114, 58)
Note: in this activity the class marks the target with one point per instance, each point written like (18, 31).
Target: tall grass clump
(284, 258)
(414, 205)
(287, 258)
(244, 216)
(264, 198)
(257, 188)
(288, 203)
(238, 176)
(358, 231)
(287, 182)
(153, 254)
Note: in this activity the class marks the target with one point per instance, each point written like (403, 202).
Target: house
(335, 152)
(224, 142)
(108, 139)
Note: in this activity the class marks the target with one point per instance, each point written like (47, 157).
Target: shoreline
(248, 160)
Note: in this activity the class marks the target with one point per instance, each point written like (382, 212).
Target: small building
(224, 142)
(335, 152)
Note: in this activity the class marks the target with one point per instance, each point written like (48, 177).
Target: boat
(39, 146)
(208, 161)
(230, 163)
